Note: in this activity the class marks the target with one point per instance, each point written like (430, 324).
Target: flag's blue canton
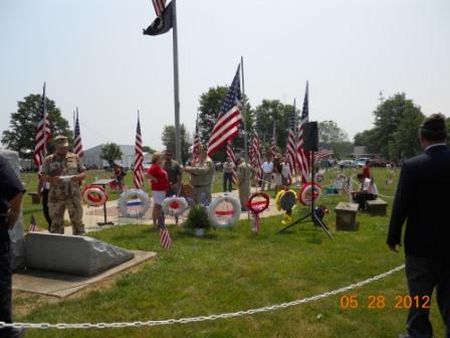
(77, 128)
(233, 95)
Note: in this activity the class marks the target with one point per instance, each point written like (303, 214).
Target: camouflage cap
(61, 141)
(202, 149)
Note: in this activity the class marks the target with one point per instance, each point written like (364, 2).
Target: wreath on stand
(257, 203)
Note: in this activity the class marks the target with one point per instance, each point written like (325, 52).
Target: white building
(91, 157)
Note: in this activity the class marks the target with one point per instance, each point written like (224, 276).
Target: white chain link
(201, 318)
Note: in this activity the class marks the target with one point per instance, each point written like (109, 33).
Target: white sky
(92, 54)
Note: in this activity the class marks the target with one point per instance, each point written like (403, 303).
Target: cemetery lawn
(231, 270)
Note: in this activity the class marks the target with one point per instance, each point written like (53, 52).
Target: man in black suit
(422, 200)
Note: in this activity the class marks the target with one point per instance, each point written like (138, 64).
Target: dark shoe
(14, 333)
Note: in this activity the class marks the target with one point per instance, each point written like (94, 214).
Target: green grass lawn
(233, 269)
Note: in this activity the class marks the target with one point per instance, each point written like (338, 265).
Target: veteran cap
(61, 141)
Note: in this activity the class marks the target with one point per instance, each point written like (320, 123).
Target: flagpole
(176, 84)
(244, 111)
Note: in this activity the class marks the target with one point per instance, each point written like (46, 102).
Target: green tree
(209, 106)
(388, 118)
(168, 140)
(110, 153)
(329, 132)
(148, 149)
(448, 128)
(271, 112)
(405, 139)
(22, 127)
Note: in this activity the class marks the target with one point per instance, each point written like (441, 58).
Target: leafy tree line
(396, 125)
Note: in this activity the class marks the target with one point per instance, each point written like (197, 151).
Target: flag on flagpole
(43, 134)
(255, 155)
(230, 155)
(77, 144)
(291, 144)
(302, 156)
(322, 154)
(138, 170)
(33, 226)
(164, 20)
(273, 146)
(229, 118)
(164, 237)
(159, 6)
(196, 144)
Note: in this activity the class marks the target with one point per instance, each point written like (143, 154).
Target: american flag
(196, 145)
(229, 118)
(42, 133)
(302, 156)
(255, 155)
(77, 144)
(291, 144)
(273, 145)
(33, 226)
(159, 6)
(230, 155)
(322, 154)
(164, 237)
(138, 170)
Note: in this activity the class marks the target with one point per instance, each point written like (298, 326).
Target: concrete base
(62, 285)
(377, 207)
(74, 255)
(346, 216)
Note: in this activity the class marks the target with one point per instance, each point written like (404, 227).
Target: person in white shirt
(367, 192)
(267, 169)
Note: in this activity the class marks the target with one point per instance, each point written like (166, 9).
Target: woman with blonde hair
(159, 182)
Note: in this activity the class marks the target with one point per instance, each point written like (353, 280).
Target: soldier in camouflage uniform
(202, 174)
(65, 172)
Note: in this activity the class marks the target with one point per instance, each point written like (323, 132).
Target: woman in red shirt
(159, 181)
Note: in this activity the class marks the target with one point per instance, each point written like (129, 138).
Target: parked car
(361, 162)
(346, 164)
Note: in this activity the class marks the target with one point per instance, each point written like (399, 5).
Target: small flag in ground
(77, 144)
(229, 118)
(230, 155)
(164, 237)
(42, 133)
(33, 226)
(138, 171)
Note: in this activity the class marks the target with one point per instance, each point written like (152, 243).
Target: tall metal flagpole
(175, 83)
(244, 111)
(245, 131)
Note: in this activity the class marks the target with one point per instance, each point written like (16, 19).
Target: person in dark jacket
(11, 194)
(422, 201)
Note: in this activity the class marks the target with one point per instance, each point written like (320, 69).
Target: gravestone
(346, 216)
(16, 233)
(377, 207)
(73, 255)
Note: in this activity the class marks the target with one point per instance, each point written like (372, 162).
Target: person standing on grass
(11, 195)
(173, 170)
(228, 168)
(421, 200)
(42, 191)
(159, 182)
(366, 170)
(267, 169)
